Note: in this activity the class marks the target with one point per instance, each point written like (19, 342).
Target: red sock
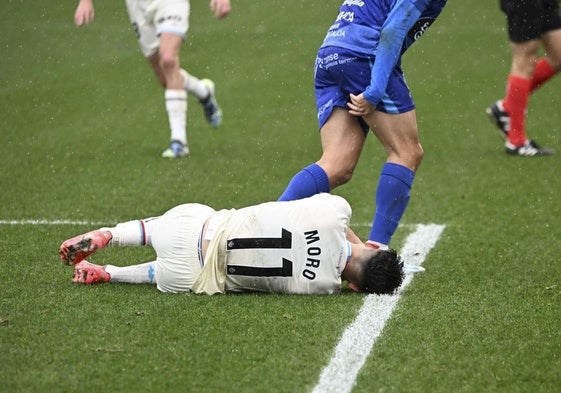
(542, 73)
(515, 103)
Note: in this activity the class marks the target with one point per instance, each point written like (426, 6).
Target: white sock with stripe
(176, 106)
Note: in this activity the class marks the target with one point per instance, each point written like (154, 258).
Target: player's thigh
(395, 127)
(524, 55)
(342, 140)
(141, 17)
(176, 240)
(552, 32)
(552, 44)
(338, 73)
(170, 44)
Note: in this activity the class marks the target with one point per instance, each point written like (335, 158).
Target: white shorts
(150, 18)
(176, 240)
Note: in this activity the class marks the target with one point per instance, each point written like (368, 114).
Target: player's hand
(84, 13)
(359, 106)
(220, 8)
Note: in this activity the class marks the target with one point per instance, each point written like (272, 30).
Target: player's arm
(220, 8)
(400, 20)
(352, 237)
(84, 13)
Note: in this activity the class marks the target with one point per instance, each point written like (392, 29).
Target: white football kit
(150, 18)
(294, 247)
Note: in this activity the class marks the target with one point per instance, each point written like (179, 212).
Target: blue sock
(392, 196)
(309, 181)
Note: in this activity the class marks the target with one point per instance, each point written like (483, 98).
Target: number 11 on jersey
(285, 241)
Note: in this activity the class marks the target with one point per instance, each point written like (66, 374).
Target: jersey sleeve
(400, 20)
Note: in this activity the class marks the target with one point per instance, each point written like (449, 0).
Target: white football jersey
(296, 247)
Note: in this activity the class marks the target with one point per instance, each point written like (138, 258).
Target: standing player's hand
(359, 106)
(220, 8)
(84, 13)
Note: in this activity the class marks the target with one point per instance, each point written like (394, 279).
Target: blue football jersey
(381, 29)
(360, 22)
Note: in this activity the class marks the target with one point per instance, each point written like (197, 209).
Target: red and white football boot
(74, 250)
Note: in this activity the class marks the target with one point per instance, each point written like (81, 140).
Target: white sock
(133, 233)
(176, 106)
(134, 274)
(194, 85)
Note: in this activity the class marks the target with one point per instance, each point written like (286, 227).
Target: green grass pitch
(82, 126)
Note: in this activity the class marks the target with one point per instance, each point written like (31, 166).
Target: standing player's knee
(168, 62)
(554, 60)
(413, 156)
(341, 176)
(338, 171)
(409, 155)
(418, 154)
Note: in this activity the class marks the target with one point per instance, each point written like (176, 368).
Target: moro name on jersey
(313, 252)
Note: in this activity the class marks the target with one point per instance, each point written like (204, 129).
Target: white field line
(50, 222)
(40, 221)
(339, 376)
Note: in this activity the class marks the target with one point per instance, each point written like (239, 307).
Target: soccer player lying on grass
(296, 247)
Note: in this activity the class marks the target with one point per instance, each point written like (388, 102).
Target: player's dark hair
(383, 273)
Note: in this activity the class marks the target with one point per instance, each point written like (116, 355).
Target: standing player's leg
(399, 135)
(160, 35)
(549, 64)
(167, 65)
(342, 140)
(172, 22)
(205, 91)
(527, 22)
(178, 83)
(342, 135)
(518, 89)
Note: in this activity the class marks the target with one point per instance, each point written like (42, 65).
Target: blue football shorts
(340, 72)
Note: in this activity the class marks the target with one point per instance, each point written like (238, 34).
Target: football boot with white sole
(176, 149)
(500, 118)
(528, 149)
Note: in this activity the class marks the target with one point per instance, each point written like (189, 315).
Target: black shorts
(530, 19)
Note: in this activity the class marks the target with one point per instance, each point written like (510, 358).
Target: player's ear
(354, 287)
